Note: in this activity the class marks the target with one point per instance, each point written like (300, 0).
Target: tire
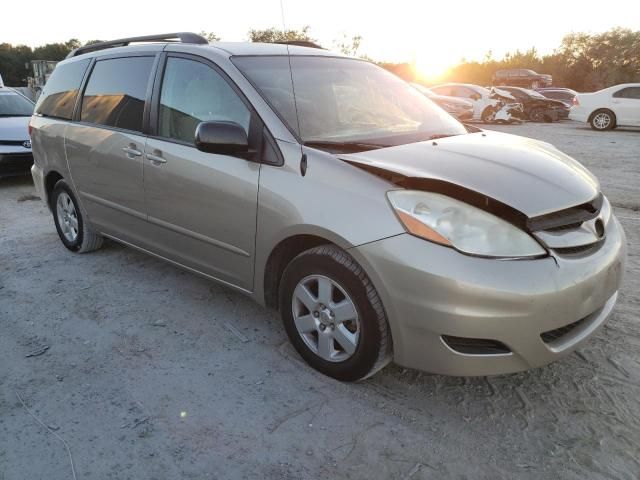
(352, 296)
(487, 115)
(537, 115)
(602, 120)
(74, 232)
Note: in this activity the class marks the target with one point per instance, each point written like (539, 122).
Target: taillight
(30, 126)
(575, 101)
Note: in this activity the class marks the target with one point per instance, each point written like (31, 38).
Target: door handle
(131, 151)
(155, 158)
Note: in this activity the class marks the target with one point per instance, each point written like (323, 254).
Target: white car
(487, 105)
(15, 145)
(617, 106)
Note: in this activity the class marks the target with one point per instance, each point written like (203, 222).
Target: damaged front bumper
(461, 315)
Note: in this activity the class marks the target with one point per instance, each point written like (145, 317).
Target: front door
(201, 207)
(105, 148)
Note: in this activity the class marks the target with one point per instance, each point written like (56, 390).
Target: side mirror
(225, 138)
(476, 96)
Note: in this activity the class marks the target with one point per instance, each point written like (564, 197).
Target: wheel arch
(51, 178)
(281, 255)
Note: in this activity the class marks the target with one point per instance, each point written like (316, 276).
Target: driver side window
(193, 92)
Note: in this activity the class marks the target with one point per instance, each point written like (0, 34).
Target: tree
(14, 63)
(273, 35)
(348, 46)
(210, 36)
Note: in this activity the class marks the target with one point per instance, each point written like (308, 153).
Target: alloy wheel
(67, 217)
(602, 121)
(326, 318)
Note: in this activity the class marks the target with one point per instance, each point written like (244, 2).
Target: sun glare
(432, 66)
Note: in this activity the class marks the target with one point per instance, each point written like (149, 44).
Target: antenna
(293, 87)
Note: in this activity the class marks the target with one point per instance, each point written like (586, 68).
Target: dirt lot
(143, 379)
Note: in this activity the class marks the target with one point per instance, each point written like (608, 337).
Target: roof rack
(301, 43)
(180, 37)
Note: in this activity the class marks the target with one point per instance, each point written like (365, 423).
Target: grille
(577, 251)
(568, 217)
(476, 346)
(15, 162)
(553, 335)
(12, 142)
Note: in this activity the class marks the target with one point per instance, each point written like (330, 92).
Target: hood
(14, 128)
(530, 176)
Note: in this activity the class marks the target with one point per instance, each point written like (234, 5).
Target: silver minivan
(324, 187)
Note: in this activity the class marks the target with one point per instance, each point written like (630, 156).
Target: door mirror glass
(225, 138)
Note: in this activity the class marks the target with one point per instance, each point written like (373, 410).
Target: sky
(434, 35)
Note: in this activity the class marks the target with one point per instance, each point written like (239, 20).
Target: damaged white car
(489, 106)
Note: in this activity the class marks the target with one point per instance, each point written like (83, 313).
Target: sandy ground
(144, 380)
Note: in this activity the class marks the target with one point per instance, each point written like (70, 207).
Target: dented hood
(530, 176)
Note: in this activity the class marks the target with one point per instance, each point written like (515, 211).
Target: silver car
(326, 188)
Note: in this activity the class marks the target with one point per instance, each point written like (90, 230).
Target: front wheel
(488, 115)
(73, 231)
(333, 316)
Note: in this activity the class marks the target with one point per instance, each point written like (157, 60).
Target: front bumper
(429, 291)
(15, 163)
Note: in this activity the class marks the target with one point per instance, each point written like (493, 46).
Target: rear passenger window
(116, 92)
(629, 92)
(193, 92)
(61, 90)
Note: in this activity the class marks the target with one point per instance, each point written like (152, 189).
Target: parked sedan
(488, 106)
(617, 106)
(456, 107)
(15, 146)
(564, 95)
(537, 107)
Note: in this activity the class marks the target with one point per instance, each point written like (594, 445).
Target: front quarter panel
(333, 200)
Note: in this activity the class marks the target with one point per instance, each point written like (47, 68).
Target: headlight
(450, 222)
(449, 106)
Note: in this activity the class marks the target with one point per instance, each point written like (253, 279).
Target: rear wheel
(537, 115)
(602, 120)
(73, 231)
(333, 315)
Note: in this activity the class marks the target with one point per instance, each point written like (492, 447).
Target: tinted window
(14, 105)
(193, 92)
(116, 92)
(629, 92)
(61, 90)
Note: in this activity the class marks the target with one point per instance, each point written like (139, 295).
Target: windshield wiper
(442, 135)
(344, 146)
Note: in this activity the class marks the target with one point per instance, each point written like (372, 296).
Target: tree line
(583, 61)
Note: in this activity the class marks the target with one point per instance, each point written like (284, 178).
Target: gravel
(139, 373)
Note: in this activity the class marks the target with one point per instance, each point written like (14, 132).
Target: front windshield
(346, 100)
(14, 105)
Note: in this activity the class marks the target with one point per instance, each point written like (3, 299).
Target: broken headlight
(444, 220)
